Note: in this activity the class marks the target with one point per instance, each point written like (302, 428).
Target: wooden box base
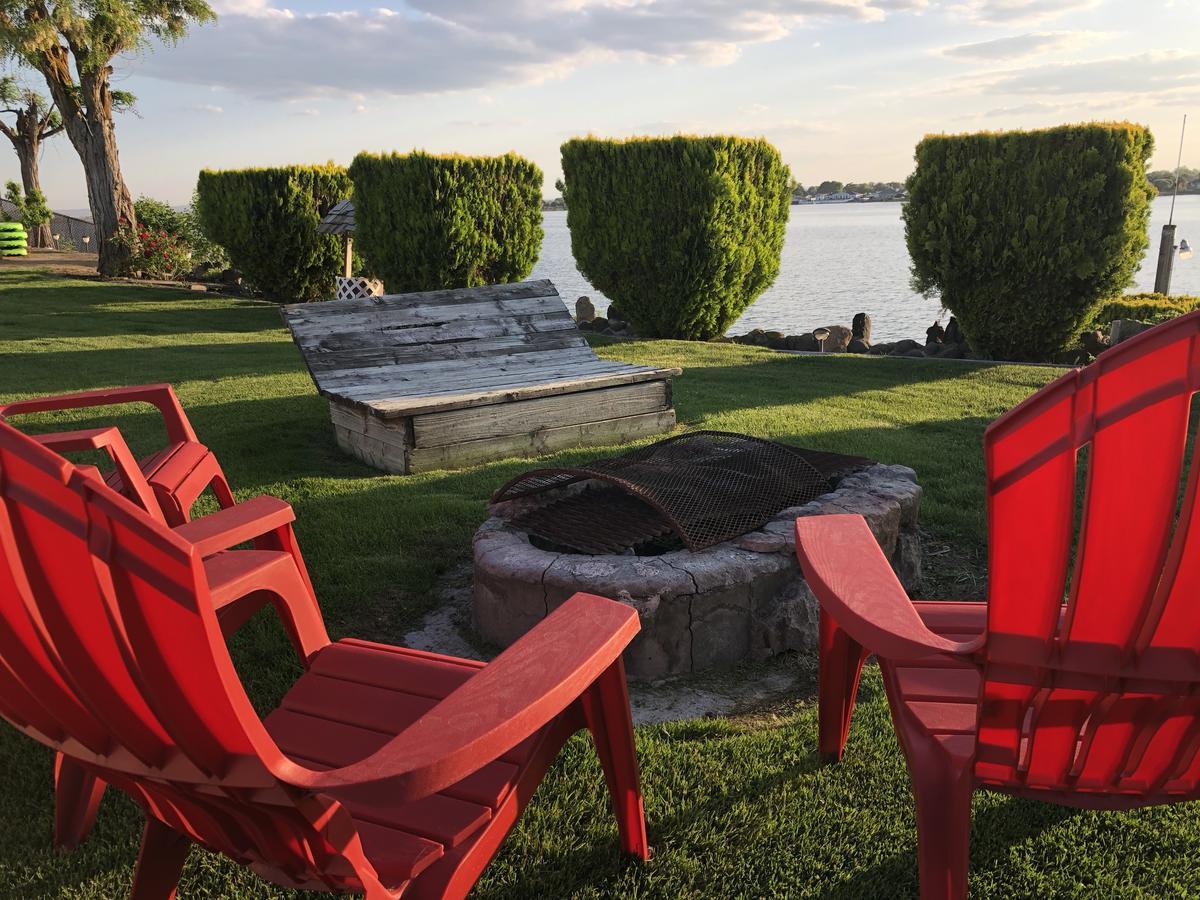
(456, 438)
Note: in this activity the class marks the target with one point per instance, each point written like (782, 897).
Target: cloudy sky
(843, 87)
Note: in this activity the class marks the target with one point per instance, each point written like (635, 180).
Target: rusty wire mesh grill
(704, 487)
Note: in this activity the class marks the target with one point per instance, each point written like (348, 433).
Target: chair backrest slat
(1089, 669)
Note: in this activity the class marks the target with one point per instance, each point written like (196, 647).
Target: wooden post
(1166, 259)
(349, 256)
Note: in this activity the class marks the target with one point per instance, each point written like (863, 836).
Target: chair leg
(942, 790)
(606, 711)
(160, 862)
(77, 794)
(838, 671)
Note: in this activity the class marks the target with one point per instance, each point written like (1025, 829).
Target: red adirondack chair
(1075, 683)
(166, 484)
(176, 475)
(383, 770)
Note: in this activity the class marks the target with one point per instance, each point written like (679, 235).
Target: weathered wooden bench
(452, 378)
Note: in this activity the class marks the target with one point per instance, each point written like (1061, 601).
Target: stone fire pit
(707, 609)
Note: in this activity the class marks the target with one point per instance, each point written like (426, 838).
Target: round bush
(1022, 234)
(683, 233)
(426, 222)
(266, 219)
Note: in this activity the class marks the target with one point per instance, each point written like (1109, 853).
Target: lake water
(840, 259)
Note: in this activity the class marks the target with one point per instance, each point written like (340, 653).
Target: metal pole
(1166, 244)
(1166, 260)
(349, 256)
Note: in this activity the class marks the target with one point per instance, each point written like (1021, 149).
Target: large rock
(1124, 329)
(584, 310)
(861, 327)
(901, 348)
(776, 340)
(954, 334)
(801, 342)
(949, 351)
(838, 340)
(858, 345)
(1094, 342)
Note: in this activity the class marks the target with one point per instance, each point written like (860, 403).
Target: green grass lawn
(737, 807)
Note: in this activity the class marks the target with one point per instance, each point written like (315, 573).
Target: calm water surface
(840, 259)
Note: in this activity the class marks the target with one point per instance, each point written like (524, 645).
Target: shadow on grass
(53, 371)
(994, 832)
(35, 305)
(783, 379)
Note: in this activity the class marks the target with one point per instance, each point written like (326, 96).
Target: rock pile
(942, 343)
(614, 324)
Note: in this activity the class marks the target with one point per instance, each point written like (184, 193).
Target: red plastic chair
(177, 474)
(1092, 702)
(166, 485)
(383, 771)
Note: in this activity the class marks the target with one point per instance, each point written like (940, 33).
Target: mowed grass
(737, 807)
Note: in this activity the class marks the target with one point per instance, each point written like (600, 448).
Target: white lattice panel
(357, 288)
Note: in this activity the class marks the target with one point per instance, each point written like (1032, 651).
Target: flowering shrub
(153, 252)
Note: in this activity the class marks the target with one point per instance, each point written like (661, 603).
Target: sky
(844, 88)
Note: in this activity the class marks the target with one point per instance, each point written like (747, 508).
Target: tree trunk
(108, 197)
(27, 153)
(89, 125)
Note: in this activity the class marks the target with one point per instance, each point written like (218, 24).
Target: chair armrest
(111, 442)
(234, 525)
(524, 688)
(179, 429)
(854, 583)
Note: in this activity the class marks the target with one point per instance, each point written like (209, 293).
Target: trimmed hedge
(266, 219)
(1152, 308)
(426, 222)
(683, 232)
(1023, 233)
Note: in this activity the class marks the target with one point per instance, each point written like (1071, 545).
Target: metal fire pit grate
(705, 487)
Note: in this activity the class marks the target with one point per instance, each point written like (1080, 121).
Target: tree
(32, 211)
(1022, 234)
(36, 120)
(829, 187)
(682, 233)
(72, 44)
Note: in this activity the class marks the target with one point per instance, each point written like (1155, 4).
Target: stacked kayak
(13, 241)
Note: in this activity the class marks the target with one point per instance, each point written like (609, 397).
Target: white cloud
(1019, 46)
(1159, 72)
(1018, 13)
(248, 8)
(431, 46)
(209, 108)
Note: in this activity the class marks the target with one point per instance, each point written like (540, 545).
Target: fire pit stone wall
(708, 609)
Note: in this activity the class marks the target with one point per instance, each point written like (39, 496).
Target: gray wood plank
(463, 380)
(307, 330)
(450, 297)
(441, 373)
(339, 361)
(405, 406)
(611, 431)
(503, 419)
